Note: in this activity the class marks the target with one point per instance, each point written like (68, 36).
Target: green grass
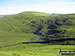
(35, 50)
(9, 39)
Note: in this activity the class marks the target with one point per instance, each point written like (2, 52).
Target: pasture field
(35, 50)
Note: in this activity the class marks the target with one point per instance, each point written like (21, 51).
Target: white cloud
(69, 3)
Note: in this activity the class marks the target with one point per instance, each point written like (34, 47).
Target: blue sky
(48, 6)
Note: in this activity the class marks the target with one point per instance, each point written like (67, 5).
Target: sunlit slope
(16, 28)
(35, 26)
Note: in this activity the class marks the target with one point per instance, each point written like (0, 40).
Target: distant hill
(36, 26)
(4, 16)
(55, 13)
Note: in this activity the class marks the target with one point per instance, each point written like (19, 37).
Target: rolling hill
(36, 26)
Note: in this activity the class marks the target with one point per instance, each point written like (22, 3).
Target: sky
(48, 6)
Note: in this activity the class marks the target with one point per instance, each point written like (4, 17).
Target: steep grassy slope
(36, 26)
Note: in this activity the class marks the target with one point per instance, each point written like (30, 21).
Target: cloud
(49, 7)
(73, 3)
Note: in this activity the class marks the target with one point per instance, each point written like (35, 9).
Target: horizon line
(36, 11)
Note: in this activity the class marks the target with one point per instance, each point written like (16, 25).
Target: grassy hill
(36, 26)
